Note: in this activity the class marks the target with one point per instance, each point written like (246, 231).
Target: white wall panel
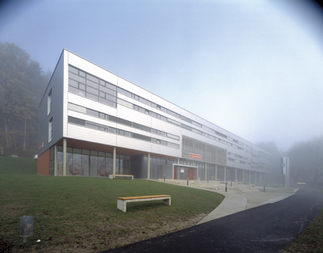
(91, 135)
(160, 149)
(132, 143)
(91, 104)
(92, 119)
(65, 91)
(166, 127)
(134, 116)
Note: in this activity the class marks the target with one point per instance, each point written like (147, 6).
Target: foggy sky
(254, 68)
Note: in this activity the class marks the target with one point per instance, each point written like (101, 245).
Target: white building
(94, 123)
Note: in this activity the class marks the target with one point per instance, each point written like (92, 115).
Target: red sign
(195, 156)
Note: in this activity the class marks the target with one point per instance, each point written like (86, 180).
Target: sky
(252, 67)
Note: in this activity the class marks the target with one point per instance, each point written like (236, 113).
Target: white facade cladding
(94, 123)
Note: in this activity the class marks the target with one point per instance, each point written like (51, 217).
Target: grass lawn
(311, 239)
(80, 214)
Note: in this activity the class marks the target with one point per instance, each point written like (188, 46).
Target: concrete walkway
(267, 228)
(238, 197)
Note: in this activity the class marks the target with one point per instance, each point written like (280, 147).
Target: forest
(306, 160)
(22, 84)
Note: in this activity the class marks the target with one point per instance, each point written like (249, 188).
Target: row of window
(177, 115)
(177, 123)
(154, 105)
(239, 161)
(239, 156)
(253, 165)
(117, 131)
(87, 85)
(244, 160)
(114, 119)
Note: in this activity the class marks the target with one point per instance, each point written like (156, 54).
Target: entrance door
(175, 172)
(190, 174)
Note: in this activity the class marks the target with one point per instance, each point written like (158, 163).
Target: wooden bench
(122, 201)
(112, 176)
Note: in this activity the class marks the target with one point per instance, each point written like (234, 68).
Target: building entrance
(183, 172)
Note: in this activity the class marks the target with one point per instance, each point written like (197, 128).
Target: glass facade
(161, 167)
(87, 163)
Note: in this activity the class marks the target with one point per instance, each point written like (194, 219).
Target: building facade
(94, 123)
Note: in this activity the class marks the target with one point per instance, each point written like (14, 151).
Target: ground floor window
(89, 163)
(161, 167)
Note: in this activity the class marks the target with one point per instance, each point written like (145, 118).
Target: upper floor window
(50, 130)
(49, 102)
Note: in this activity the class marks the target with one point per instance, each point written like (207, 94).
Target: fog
(251, 67)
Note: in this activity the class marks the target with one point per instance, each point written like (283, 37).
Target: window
(50, 130)
(76, 121)
(125, 103)
(141, 127)
(49, 102)
(124, 92)
(92, 113)
(91, 87)
(112, 130)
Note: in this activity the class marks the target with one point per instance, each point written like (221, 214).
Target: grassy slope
(71, 211)
(311, 239)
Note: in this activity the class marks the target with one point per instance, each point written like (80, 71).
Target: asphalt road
(268, 228)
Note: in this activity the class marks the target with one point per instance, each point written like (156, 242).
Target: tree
(306, 160)
(21, 85)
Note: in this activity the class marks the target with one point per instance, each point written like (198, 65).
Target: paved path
(266, 228)
(238, 196)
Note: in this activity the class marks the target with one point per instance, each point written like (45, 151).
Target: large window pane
(106, 90)
(73, 83)
(59, 162)
(101, 167)
(72, 69)
(93, 97)
(94, 166)
(77, 78)
(92, 90)
(92, 78)
(92, 84)
(75, 169)
(85, 165)
(69, 163)
(111, 86)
